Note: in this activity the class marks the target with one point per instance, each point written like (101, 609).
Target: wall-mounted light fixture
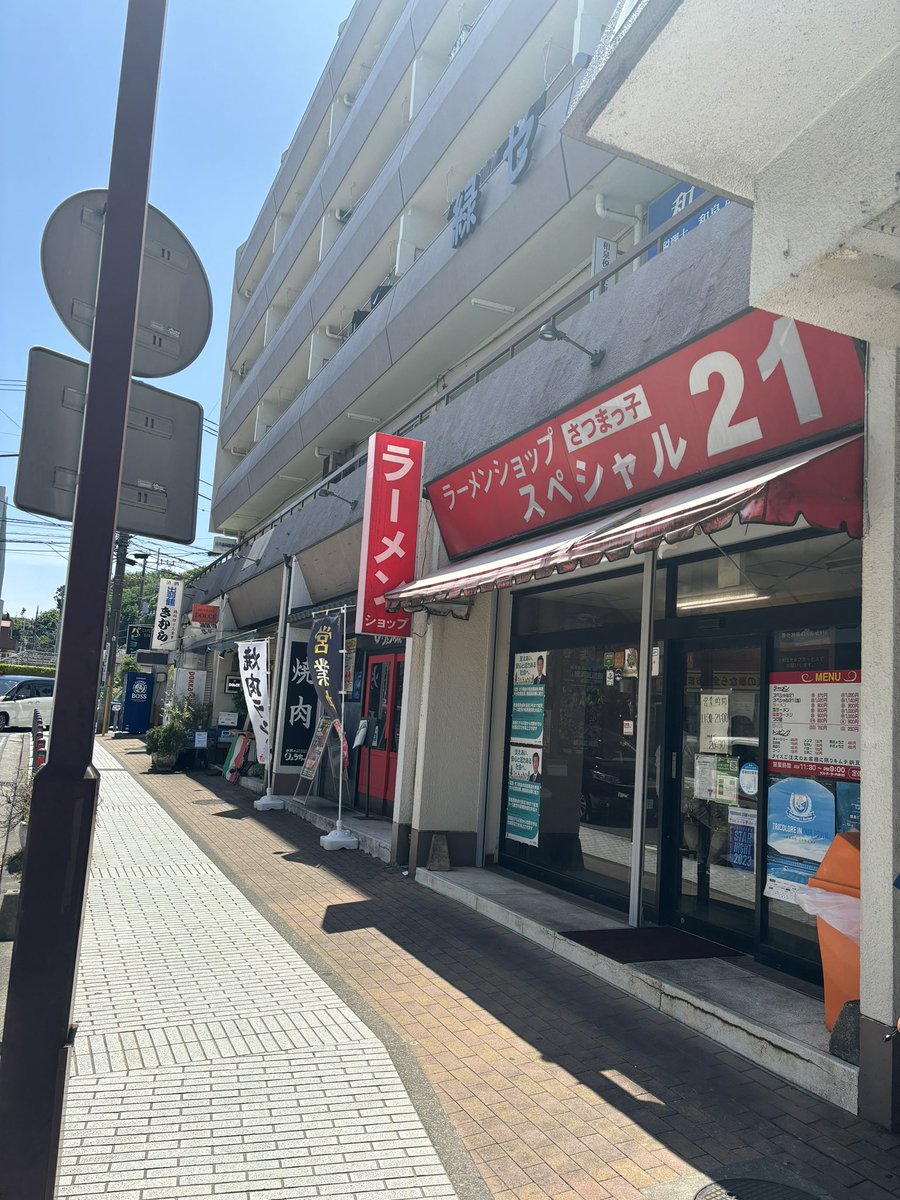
(549, 333)
(335, 496)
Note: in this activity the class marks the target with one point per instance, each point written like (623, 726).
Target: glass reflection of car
(607, 782)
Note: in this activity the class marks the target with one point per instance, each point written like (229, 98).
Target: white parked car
(18, 705)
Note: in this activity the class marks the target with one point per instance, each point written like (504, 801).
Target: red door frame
(378, 765)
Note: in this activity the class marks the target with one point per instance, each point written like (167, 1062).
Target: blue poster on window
(674, 201)
(523, 811)
(800, 827)
(527, 717)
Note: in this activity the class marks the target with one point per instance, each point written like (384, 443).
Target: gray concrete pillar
(450, 763)
(404, 789)
(879, 1078)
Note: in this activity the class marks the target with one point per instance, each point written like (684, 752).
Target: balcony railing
(422, 406)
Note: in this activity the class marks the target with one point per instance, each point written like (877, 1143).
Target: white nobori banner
(254, 663)
(168, 614)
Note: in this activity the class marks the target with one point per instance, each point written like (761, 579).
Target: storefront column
(404, 790)
(639, 811)
(879, 1077)
(449, 773)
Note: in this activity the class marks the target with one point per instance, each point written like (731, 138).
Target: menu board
(814, 723)
(813, 760)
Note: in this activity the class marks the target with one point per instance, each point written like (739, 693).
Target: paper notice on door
(726, 780)
(705, 777)
(714, 717)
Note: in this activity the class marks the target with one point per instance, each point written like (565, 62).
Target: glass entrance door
(719, 785)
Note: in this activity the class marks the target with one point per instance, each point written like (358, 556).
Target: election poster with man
(525, 770)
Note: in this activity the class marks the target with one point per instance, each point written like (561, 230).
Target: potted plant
(165, 743)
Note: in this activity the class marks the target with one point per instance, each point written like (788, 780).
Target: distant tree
(36, 633)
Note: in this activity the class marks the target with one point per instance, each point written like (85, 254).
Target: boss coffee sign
(750, 388)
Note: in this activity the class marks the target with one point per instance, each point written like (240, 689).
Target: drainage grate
(205, 802)
(750, 1189)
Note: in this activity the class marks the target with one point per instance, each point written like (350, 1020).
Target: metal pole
(143, 556)
(115, 610)
(278, 672)
(38, 1034)
(642, 740)
(340, 825)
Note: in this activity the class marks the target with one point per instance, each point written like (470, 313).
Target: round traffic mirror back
(175, 303)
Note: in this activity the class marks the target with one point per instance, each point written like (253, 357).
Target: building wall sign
(168, 614)
(139, 638)
(756, 386)
(674, 201)
(187, 683)
(390, 531)
(205, 614)
(515, 151)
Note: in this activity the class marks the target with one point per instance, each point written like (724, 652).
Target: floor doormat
(650, 943)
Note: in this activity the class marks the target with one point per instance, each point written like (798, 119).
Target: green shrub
(166, 740)
(187, 711)
(24, 669)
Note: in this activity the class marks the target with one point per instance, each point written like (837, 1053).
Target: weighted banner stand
(340, 838)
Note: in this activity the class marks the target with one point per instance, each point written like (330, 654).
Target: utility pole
(115, 609)
(38, 1034)
(143, 555)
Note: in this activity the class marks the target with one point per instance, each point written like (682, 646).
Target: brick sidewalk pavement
(211, 1060)
(557, 1084)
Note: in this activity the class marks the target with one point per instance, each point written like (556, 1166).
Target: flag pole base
(268, 801)
(339, 839)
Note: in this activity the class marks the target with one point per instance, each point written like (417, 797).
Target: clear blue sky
(235, 80)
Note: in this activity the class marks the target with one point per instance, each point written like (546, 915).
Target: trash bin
(833, 896)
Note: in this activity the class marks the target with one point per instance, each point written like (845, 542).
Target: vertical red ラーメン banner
(390, 531)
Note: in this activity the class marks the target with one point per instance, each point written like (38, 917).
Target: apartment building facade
(634, 534)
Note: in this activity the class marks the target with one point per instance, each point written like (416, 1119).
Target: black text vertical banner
(300, 702)
(326, 665)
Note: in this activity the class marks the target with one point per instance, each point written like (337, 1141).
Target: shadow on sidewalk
(710, 1107)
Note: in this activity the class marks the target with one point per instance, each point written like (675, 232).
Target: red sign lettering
(390, 531)
(760, 384)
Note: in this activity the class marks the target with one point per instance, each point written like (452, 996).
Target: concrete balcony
(790, 107)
